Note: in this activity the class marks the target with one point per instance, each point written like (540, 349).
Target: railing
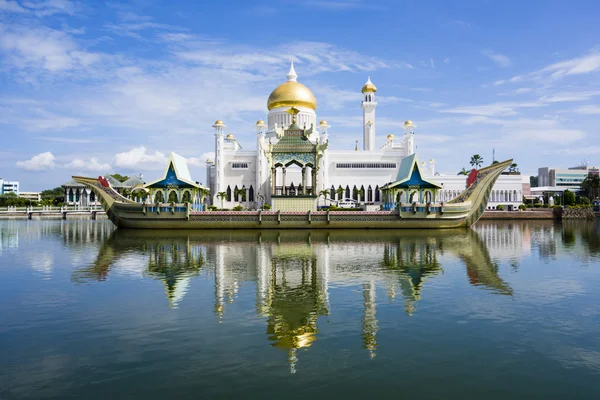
(50, 209)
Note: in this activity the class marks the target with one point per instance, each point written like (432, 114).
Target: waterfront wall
(577, 213)
(518, 215)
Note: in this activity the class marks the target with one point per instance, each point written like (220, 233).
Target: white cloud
(40, 162)
(589, 109)
(492, 110)
(91, 165)
(139, 159)
(201, 161)
(11, 6)
(499, 59)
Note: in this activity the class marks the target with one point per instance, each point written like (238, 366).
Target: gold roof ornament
(219, 122)
(260, 122)
(208, 161)
(369, 86)
(292, 93)
(323, 122)
(230, 136)
(356, 146)
(408, 123)
(390, 136)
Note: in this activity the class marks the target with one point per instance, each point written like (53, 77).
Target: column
(303, 180)
(273, 179)
(283, 191)
(313, 179)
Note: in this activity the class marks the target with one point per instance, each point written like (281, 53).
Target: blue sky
(95, 87)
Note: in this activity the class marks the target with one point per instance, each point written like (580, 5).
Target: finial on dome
(369, 86)
(292, 76)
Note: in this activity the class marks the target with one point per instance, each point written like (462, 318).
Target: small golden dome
(323, 122)
(260, 122)
(230, 136)
(208, 161)
(219, 122)
(290, 94)
(390, 136)
(369, 87)
(408, 123)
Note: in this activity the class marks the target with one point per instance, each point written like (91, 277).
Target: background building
(33, 196)
(570, 178)
(9, 187)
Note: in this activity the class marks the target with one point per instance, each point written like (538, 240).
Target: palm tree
(358, 192)
(476, 161)
(222, 195)
(340, 192)
(513, 167)
(463, 172)
(591, 184)
(325, 193)
(240, 193)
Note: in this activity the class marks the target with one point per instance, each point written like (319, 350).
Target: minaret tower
(368, 106)
(219, 162)
(409, 134)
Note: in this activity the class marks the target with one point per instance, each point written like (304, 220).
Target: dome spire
(292, 76)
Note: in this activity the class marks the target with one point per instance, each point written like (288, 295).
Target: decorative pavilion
(294, 148)
(410, 186)
(176, 185)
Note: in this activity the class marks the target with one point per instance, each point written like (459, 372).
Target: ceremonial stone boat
(462, 211)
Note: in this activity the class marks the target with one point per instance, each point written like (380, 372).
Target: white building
(251, 177)
(33, 196)
(570, 178)
(9, 187)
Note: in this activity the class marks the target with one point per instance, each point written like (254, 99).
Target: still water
(506, 310)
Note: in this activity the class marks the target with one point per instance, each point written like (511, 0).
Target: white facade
(9, 187)
(360, 174)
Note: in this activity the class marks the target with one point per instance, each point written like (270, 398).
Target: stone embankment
(520, 215)
(577, 213)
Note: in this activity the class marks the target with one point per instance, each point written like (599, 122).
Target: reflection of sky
(90, 338)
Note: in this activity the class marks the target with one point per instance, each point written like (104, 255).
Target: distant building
(570, 178)
(9, 187)
(33, 196)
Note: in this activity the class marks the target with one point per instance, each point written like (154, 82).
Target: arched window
(244, 195)
(355, 193)
(92, 196)
(71, 195)
(159, 197)
(347, 191)
(186, 198)
(236, 194)
(377, 197)
(363, 196)
(332, 193)
(77, 194)
(369, 194)
(173, 197)
(251, 193)
(228, 193)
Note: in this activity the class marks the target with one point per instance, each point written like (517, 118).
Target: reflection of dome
(292, 93)
(369, 87)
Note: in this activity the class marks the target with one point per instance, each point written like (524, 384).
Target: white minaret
(368, 106)
(261, 163)
(323, 127)
(219, 162)
(409, 135)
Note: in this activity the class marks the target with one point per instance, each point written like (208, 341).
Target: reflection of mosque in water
(293, 271)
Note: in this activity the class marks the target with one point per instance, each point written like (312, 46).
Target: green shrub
(238, 208)
(569, 198)
(500, 207)
(584, 201)
(522, 207)
(213, 208)
(537, 205)
(265, 207)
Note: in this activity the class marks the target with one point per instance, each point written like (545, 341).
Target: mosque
(293, 169)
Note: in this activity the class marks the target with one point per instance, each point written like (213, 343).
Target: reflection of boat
(464, 210)
(294, 268)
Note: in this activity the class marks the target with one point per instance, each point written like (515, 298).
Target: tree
(119, 177)
(495, 162)
(513, 168)
(325, 193)
(463, 172)
(359, 192)
(533, 181)
(591, 184)
(476, 161)
(54, 196)
(340, 192)
(240, 193)
(222, 196)
(569, 198)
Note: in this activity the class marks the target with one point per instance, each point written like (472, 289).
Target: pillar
(283, 191)
(303, 180)
(313, 180)
(273, 179)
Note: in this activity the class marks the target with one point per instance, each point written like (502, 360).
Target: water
(508, 310)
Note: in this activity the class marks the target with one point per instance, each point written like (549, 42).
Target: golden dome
(408, 123)
(323, 122)
(369, 87)
(260, 122)
(390, 136)
(219, 122)
(292, 93)
(230, 136)
(208, 161)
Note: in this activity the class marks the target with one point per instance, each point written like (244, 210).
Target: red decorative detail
(103, 181)
(472, 177)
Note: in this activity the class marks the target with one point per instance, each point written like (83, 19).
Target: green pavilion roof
(410, 175)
